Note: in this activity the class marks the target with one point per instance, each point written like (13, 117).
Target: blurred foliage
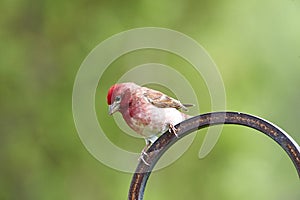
(255, 44)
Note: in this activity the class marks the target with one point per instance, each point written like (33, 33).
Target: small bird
(148, 112)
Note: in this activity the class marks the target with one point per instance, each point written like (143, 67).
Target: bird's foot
(145, 154)
(143, 158)
(172, 129)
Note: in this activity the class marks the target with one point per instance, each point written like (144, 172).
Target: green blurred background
(256, 45)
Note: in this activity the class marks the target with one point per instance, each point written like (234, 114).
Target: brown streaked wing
(161, 100)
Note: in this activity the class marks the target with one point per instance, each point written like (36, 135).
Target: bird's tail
(186, 106)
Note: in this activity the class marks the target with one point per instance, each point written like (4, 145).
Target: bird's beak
(113, 108)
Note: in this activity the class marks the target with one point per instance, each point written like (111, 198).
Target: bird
(146, 111)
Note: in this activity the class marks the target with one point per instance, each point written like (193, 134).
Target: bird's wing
(161, 100)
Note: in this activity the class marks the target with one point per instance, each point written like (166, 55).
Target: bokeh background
(256, 45)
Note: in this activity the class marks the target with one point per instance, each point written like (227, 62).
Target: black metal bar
(155, 151)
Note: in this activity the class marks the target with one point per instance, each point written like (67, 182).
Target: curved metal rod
(160, 146)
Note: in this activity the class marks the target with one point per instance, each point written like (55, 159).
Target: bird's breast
(148, 120)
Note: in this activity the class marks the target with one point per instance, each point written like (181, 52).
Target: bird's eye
(118, 99)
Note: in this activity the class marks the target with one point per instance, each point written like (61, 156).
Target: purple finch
(148, 112)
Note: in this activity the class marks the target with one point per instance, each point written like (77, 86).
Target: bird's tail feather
(186, 106)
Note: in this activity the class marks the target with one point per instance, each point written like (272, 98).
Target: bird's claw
(143, 153)
(172, 129)
(143, 159)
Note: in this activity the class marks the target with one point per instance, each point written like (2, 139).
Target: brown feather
(161, 100)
